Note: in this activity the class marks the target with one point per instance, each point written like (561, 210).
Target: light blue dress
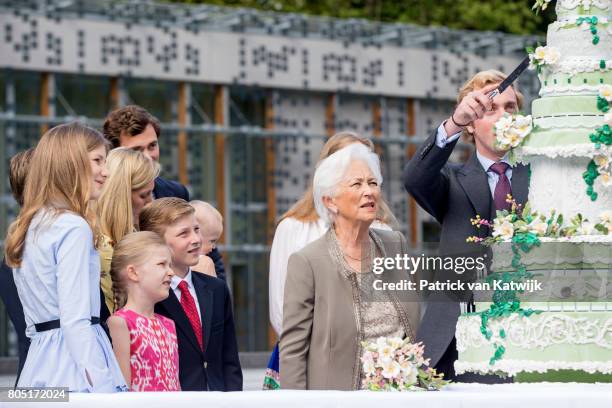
(59, 278)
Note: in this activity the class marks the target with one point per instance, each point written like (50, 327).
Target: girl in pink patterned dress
(144, 342)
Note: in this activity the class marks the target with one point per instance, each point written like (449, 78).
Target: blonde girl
(144, 342)
(51, 247)
(128, 189)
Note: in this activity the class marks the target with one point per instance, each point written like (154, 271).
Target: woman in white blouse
(297, 228)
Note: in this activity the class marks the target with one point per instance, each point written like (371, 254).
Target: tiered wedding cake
(570, 154)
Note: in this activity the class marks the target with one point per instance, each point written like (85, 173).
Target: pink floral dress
(154, 356)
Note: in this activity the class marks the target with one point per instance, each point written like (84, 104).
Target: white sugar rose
(523, 124)
(504, 123)
(503, 228)
(586, 228)
(606, 179)
(605, 91)
(606, 219)
(552, 55)
(538, 227)
(608, 118)
(602, 162)
(540, 53)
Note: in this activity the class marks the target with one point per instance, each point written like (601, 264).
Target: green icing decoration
(592, 21)
(602, 64)
(602, 135)
(506, 302)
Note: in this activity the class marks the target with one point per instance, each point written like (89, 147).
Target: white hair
(332, 170)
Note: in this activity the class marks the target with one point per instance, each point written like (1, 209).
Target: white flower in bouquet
(538, 227)
(608, 118)
(369, 368)
(386, 353)
(605, 91)
(551, 55)
(503, 228)
(395, 342)
(390, 369)
(409, 372)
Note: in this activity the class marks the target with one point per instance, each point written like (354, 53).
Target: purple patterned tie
(502, 188)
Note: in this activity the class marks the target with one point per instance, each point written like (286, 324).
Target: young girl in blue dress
(51, 248)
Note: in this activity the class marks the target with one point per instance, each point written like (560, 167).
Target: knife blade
(511, 78)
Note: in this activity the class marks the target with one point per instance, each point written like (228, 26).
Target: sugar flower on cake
(605, 92)
(538, 227)
(606, 219)
(586, 228)
(503, 228)
(542, 56)
(511, 131)
(540, 5)
(608, 119)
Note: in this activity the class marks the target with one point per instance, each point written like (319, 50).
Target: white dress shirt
(174, 285)
(442, 139)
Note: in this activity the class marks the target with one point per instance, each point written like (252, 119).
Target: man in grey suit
(454, 193)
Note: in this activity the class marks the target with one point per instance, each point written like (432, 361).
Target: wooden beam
(413, 217)
(183, 106)
(330, 115)
(220, 120)
(115, 93)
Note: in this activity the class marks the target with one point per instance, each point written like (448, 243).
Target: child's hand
(206, 266)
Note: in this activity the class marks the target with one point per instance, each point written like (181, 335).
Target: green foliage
(510, 16)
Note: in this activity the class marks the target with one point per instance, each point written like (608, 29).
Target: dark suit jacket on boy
(217, 367)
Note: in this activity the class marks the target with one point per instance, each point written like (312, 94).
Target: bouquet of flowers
(393, 364)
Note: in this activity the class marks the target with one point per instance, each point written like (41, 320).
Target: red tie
(503, 186)
(191, 311)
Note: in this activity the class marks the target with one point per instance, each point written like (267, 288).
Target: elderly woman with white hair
(327, 312)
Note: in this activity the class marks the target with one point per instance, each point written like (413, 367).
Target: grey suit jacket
(452, 193)
(320, 344)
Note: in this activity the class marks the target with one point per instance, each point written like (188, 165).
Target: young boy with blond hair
(211, 228)
(200, 305)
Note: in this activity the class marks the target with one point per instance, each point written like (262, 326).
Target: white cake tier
(573, 8)
(577, 41)
(557, 183)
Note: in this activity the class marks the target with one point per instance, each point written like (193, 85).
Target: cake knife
(511, 78)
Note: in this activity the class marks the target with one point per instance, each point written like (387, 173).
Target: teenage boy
(200, 305)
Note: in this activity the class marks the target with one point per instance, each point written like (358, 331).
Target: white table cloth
(544, 395)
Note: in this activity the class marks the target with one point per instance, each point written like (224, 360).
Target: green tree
(510, 16)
